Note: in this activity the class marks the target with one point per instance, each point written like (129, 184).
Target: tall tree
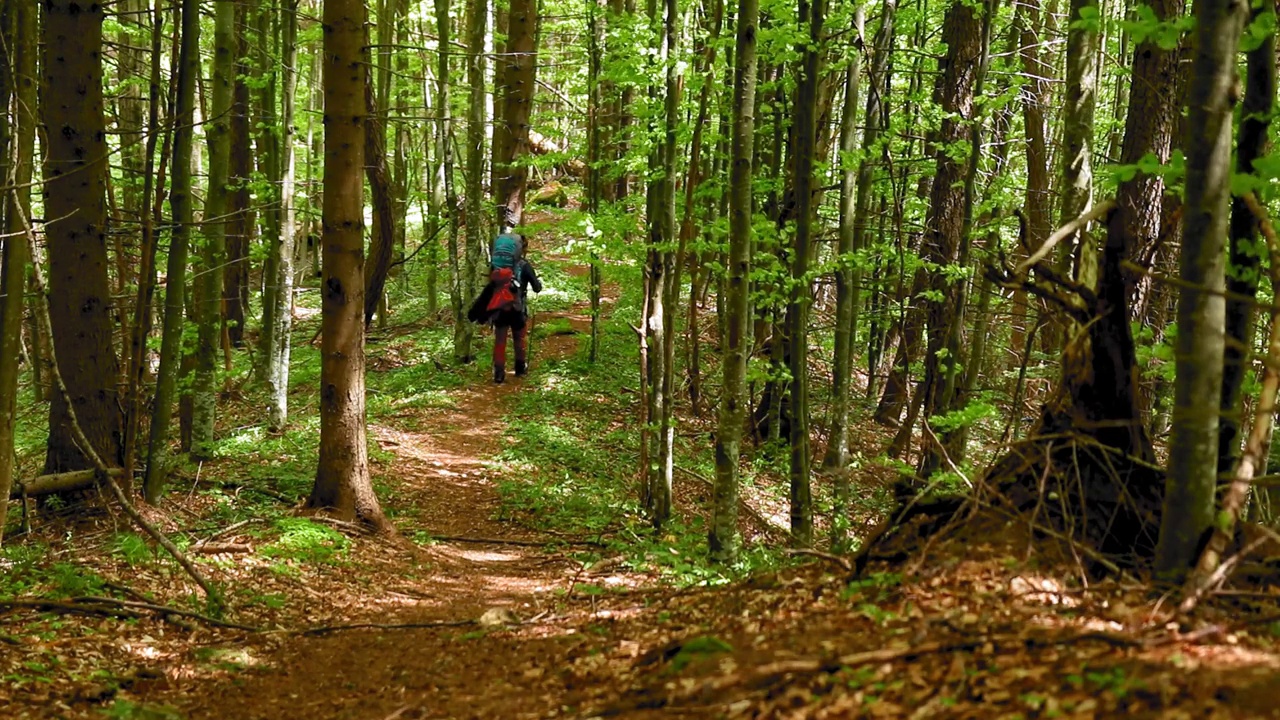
(20, 31)
(1245, 252)
(812, 17)
(279, 271)
(511, 131)
(175, 289)
(477, 19)
(240, 216)
(447, 197)
(1193, 447)
(945, 225)
(724, 519)
(1079, 100)
(342, 475)
(837, 457)
(75, 168)
(218, 136)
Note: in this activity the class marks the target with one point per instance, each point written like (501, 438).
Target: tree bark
(1193, 448)
(218, 135)
(175, 288)
(723, 536)
(511, 131)
(342, 482)
(1245, 253)
(75, 168)
(812, 17)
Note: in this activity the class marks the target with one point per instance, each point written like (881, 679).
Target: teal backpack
(506, 251)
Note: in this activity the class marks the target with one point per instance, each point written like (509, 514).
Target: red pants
(500, 344)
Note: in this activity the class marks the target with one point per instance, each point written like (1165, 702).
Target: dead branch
(59, 482)
(843, 562)
(94, 605)
(311, 632)
(520, 543)
(217, 548)
(1064, 232)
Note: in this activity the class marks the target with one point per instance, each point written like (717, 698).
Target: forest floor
(500, 597)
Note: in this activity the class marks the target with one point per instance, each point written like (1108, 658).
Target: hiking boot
(499, 373)
(521, 368)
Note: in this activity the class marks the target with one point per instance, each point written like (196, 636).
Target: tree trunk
(218, 134)
(240, 218)
(477, 17)
(811, 19)
(75, 168)
(1245, 255)
(342, 475)
(1193, 448)
(20, 34)
(175, 288)
(279, 269)
(383, 245)
(276, 290)
(448, 198)
(1079, 101)
(511, 132)
(723, 537)
(846, 318)
(945, 226)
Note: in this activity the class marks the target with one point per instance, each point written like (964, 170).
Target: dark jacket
(526, 278)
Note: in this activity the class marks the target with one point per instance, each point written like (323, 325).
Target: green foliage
(306, 541)
(131, 548)
(697, 649)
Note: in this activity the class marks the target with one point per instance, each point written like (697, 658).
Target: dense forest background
(859, 265)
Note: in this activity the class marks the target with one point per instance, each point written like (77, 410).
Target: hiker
(503, 303)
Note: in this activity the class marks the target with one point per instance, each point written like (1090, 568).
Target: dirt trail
(448, 672)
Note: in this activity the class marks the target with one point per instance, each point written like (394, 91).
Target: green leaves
(1146, 27)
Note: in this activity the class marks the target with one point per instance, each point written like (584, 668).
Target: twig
(755, 514)
(382, 626)
(521, 543)
(1064, 232)
(843, 562)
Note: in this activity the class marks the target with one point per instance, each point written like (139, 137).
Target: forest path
(444, 483)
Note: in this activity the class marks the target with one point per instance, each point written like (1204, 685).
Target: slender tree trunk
(383, 245)
(444, 134)
(240, 218)
(342, 475)
(723, 537)
(276, 297)
(1245, 255)
(477, 18)
(1193, 448)
(75, 169)
(846, 321)
(1079, 100)
(217, 132)
(176, 278)
(279, 271)
(21, 34)
(811, 19)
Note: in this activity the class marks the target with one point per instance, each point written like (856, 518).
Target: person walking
(504, 302)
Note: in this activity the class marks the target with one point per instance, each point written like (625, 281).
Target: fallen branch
(94, 605)
(843, 562)
(58, 482)
(382, 626)
(521, 543)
